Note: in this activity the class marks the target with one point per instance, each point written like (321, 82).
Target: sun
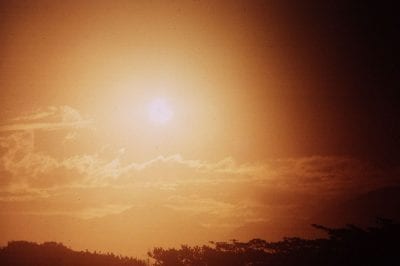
(160, 111)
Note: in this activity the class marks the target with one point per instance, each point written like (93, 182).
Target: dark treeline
(351, 245)
(23, 253)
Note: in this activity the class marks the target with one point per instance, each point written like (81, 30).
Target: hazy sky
(129, 124)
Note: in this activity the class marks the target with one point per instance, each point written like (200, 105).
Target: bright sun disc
(159, 111)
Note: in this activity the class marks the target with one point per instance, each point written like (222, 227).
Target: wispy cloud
(19, 162)
(52, 118)
(24, 166)
(223, 194)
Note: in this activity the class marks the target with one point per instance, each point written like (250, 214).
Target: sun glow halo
(159, 111)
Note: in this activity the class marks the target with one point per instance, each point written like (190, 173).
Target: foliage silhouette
(346, 246)
(52, 254)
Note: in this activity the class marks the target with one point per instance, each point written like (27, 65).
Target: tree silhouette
(346, 246)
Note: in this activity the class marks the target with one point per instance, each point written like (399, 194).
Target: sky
(126, 125)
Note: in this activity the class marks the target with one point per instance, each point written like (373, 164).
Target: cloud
(223, 194)
(175, 169)
(82, 213)
(215, 213)
(329, 174)
(224, 198)
(21, 163)
(22, 166)
(51, 118)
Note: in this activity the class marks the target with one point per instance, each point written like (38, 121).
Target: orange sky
(258, 139)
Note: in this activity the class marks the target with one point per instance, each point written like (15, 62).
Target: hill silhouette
(347, 246)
